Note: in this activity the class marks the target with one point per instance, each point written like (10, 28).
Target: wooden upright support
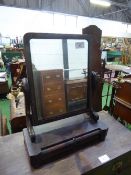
(95, 63)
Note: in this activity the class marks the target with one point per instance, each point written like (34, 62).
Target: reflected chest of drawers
(76, 93)
(53, 92)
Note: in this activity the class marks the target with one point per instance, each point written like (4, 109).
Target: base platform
(63, 137)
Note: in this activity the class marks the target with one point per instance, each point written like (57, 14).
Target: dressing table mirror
(59, 96)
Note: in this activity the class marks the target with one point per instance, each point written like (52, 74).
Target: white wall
(77, 57)
(47, 54)
(16, 22)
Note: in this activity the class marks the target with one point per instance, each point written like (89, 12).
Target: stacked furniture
(53, 92)
(76, 93)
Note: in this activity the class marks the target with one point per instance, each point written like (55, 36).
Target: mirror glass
(59, 69)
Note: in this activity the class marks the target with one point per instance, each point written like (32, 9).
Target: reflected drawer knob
(77, 98)
(57, 76)
(47, 77)
(48, 89)
(59, 87)
(51, 113)
(61, 110)
(59, 99)
(50, 101)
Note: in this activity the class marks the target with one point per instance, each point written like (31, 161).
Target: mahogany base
(76, 133)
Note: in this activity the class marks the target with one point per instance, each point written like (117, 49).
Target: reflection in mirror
(60, 75)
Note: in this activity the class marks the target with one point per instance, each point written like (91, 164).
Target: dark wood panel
(55, 109)
(95, 63)
(76, 91)
(122, 111)
(76, 94)
(122, 101)
(55, 98)
(124, 92)
(53, 87)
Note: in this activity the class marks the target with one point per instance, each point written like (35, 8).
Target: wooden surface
(14, 160)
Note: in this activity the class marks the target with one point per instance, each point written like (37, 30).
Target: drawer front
(55, 98)
(76, 91)
(52, 75)
(52, 88)
(76, 85)
(54, 109)
(124, 92)
(122, 111)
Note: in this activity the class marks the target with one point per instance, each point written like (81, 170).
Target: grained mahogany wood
(52, 92)
(124, 92)
(76, 89)
(122, 98)
(14, 159)
(122, 111)
(95, 63)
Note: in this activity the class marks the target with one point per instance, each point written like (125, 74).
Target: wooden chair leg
(4, 126)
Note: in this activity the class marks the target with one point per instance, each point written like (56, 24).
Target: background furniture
(122, 99)
(53, 92)
(15, 160)
(8, 56)
(76, 93)
(18, 71)
(4, 88)
(111, 55)
(18, 116)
